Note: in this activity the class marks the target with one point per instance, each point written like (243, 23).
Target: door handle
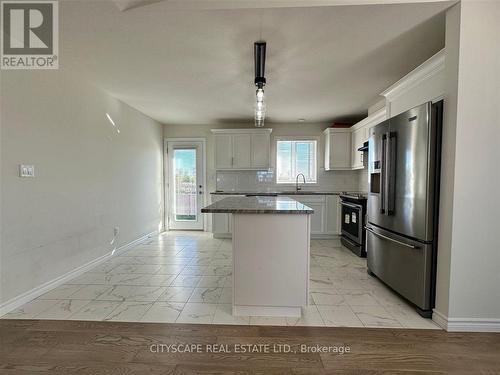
(391, 239)
(383, 168)
(391, 173)
(355, 206)
(387, 172)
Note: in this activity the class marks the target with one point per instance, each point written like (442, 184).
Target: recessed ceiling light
(302, 119)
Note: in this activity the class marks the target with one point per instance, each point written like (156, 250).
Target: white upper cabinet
(242, 151)
(358, 138)
(361, 132)
(342, 144)
(337, 148)
(223, 151)
(261, 148)
(242, 148)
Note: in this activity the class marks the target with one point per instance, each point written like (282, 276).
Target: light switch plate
(26, 170)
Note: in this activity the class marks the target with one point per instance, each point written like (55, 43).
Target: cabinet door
(220, 222)
(340, 150)
(369, 131)
(358, 138)
(241, 150)
(318, 218)
(260, 150)
(332, 214)
(223, 151)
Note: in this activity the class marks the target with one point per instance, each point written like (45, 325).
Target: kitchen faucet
(297, 187)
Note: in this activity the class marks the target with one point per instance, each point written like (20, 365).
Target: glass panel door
(185, 184)
(185, 205)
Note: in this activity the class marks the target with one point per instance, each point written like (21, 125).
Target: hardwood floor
(86, 347)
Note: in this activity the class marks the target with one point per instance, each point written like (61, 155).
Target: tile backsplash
(258, 181)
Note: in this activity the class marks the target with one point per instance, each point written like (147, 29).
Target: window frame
(295, 139)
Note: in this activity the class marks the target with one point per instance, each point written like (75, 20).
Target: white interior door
(185, 184)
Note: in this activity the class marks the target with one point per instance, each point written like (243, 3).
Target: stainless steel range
(353, 235)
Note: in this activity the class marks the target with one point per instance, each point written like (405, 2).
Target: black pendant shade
(259, 49)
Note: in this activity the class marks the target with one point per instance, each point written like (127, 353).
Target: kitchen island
(270, 254)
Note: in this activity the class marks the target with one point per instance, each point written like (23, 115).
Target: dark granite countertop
(270, 193)
(258, 205)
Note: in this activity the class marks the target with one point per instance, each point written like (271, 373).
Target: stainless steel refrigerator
(403, 199)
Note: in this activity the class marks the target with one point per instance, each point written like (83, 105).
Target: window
(294, 157)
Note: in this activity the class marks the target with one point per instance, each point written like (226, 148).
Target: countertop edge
(264, 193)
(256, 211)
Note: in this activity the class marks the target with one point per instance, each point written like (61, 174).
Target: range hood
(364, 147)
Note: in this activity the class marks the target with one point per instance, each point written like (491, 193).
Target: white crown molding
(465, 324)
(376, 117)
(242, 131)
(30, 295)
(337, 130)
(421, 73)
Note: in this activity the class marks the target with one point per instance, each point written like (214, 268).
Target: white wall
(474, 294)
(450, 86)
(89, 178)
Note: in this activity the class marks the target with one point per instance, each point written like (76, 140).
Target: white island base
(270, 264)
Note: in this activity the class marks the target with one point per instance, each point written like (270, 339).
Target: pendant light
(259, 49)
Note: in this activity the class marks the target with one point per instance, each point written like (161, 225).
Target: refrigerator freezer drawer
(403, 264)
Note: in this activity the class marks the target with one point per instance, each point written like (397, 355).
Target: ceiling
(195, 66)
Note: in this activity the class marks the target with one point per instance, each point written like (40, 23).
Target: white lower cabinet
(222, 226)
(318, 204)
(333, 213)
(325, 222)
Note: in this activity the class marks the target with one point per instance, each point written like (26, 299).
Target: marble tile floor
(185, 277)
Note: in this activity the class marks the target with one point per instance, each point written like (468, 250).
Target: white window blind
(294, 157)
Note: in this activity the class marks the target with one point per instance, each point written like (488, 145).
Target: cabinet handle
(232, 160)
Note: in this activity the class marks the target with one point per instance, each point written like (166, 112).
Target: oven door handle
(356, 206)
(391, 239)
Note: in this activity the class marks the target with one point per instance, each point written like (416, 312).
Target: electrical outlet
(26, 170)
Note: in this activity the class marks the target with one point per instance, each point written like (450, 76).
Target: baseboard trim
(440, 319)
(25, 297)
(465, 325)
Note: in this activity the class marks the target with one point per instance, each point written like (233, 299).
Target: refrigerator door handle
(387, 173)
(382, 173)
(391, 172)
(391, 239)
